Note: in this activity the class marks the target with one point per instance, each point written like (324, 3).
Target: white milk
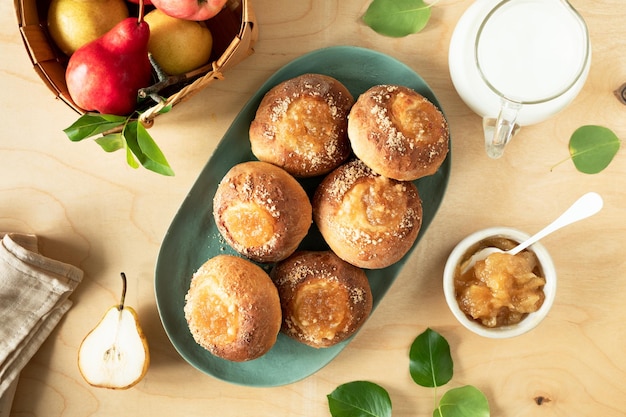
(531, 50)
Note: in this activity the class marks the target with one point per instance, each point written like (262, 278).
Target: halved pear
(115, 353)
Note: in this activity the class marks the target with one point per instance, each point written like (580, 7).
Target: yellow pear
(115, 353)
(73, 23)
(178, 45)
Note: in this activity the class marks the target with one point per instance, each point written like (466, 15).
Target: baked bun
(301, 125)
(398, 133)
(368, 220)
(233, 309)
(324, 299)
(261, 211)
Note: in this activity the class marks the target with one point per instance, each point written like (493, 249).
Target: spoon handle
(586, 206)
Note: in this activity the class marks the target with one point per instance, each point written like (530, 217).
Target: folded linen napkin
(34, 293)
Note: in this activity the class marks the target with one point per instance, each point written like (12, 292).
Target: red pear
(105, 74)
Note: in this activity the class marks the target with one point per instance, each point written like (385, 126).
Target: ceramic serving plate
(193, 236)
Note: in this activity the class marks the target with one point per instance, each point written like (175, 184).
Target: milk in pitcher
(530, 50)
(534, 52)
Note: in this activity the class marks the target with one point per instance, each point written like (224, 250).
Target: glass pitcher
(518, 62)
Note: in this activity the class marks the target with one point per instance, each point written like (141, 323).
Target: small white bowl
(532, 319)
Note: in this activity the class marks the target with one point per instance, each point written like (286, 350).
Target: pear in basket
(190, 9)
(74, 23)
(178, 45)
(105, 75)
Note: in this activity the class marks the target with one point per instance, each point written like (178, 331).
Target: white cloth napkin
(34, 293)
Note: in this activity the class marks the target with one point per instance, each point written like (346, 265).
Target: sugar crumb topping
(367, 235)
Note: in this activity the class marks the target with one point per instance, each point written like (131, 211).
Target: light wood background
(93, 211)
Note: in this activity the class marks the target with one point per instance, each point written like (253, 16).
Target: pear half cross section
(115, 353)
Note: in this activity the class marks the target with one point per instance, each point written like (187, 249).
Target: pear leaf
(359, 399)
(156, 160)
(133, 152)
(430, 366)
(430, 361)
(122, 132)
(166, 109)
(397, 18)
(111, 143)
(91, 124)
(466, 401)
(130, 158)
(592, 148)
(145, 149)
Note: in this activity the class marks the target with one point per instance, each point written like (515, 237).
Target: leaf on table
(397, 18)
(466, 401)
(359, 399)
(430, 362)
(592, 148)
(91, 124)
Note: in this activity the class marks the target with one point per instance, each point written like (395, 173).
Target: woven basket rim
(48, 62)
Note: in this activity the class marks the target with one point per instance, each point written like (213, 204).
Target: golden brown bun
(324, 299)
(398, 133)
(233, 309)
(261, 211)
(368, 220)
(301, 125)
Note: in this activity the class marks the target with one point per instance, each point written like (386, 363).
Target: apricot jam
(502, 289)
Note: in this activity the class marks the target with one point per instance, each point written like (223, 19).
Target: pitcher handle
(498, 132)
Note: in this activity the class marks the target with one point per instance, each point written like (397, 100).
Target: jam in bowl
(503, 295)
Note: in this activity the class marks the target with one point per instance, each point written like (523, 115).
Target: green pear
(74, 23)
(115, 353)
(178, 45)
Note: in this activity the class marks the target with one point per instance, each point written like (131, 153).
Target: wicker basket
(234, 32)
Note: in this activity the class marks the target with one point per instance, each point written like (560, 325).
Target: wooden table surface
(93, 211)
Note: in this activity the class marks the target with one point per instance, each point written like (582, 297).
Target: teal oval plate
(193, 238)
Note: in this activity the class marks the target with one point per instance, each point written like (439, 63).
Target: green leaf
(397, 18)
(166, 109)
(145, 149)
(131, 146)
(592, 148)
(130, 159)
(359, 399)
(91, 124)
(430, 362)
(465, 401)
(112, 142)
(148, 146)
(133, 137)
